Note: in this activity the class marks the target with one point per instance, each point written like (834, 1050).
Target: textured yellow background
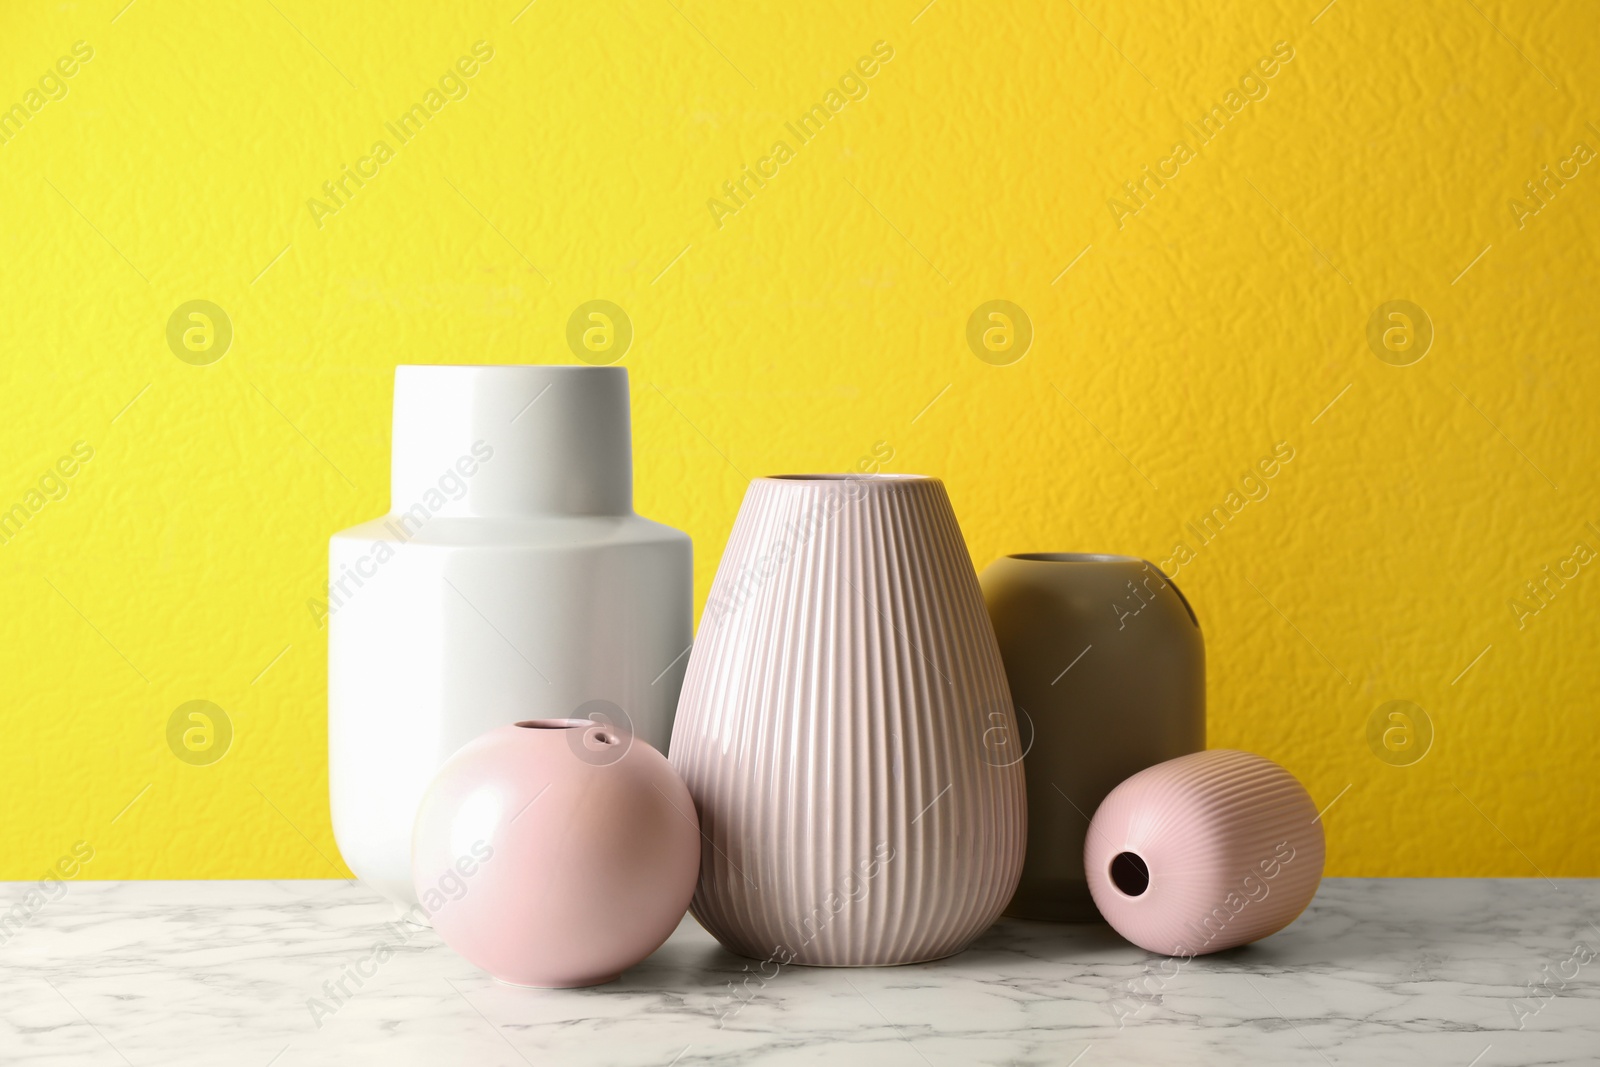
(826, 315)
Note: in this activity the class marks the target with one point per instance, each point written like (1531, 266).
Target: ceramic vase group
(873, 753)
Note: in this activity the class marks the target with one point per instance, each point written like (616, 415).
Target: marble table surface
(1468, 973)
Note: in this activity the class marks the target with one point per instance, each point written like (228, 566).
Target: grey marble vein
(1464, 973)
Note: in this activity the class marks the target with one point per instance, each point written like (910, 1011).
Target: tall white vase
(846, 730)
(510, 580)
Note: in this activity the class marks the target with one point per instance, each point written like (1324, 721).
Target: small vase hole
(1130, 874)
(554, 724)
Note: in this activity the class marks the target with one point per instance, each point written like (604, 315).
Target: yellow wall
(1177, 340)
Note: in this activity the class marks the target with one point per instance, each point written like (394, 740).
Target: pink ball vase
(1204, 852)
(555, 852)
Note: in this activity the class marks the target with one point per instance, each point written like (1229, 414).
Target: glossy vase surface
(1205, 852)
(555, 852)
(846, 731)
(510, 580)
(1107, 668)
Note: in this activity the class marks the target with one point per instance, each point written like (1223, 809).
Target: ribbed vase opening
(849, 477)
(1130, 874)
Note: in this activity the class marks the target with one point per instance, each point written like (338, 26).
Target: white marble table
(1376, 972)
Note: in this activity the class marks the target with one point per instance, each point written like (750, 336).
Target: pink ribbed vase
(846, 730)
(1204, 852)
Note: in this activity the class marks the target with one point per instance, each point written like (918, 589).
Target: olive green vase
(1107, 672)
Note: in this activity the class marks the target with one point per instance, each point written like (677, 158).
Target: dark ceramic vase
(1107, 672)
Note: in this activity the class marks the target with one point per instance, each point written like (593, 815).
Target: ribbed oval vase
(1205, 852)
(845, 730)
(510, 580)
(1107, 667)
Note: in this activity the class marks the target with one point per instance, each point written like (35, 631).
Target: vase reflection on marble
(843, 730)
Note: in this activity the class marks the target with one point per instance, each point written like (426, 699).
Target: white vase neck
(511, 441)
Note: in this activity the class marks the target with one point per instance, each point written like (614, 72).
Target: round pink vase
(555, 852)
(1204, 852)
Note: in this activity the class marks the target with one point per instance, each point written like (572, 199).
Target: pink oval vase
(1204, 852)
(555, 852)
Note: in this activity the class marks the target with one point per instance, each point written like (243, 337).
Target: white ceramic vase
(846, 730)
(511, 580)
